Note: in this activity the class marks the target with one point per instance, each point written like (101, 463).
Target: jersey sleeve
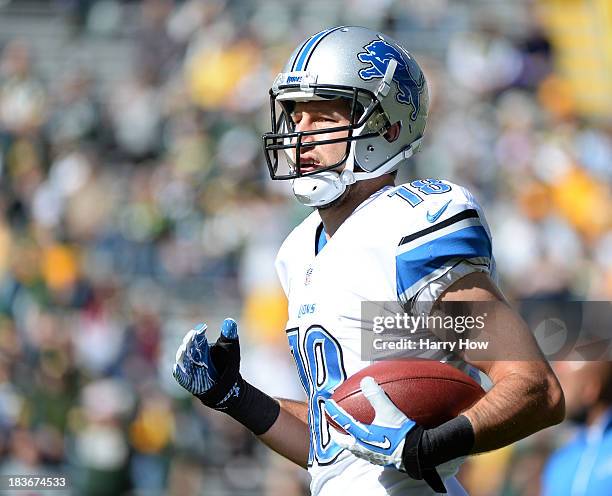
(282, 270)
(431, 259)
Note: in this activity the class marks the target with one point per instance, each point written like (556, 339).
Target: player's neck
(335, 215)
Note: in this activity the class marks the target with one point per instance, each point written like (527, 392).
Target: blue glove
(209, 372)
(383, 442)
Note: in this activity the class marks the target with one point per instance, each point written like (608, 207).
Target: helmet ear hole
(393, 132)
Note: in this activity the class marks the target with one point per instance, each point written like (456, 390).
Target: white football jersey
(405, 244)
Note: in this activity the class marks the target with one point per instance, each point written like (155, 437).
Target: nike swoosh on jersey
(385, 445)
(432, 218)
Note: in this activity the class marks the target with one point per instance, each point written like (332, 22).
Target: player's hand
(383, 441)
(210, 372)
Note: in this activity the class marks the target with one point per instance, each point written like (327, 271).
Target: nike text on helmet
(383, 84)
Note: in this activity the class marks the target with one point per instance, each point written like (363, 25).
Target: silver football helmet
(383, 84)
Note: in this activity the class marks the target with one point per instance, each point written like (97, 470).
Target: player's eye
(325, 121)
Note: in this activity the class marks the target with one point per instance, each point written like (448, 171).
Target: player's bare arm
(526, 396)
(289, 436)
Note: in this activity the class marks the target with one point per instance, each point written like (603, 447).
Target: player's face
(315, 116)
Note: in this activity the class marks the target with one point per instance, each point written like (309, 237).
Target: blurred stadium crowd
(135, 202)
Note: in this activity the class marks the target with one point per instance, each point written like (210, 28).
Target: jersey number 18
(321, 369)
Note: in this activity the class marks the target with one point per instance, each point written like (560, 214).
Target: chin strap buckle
(347, 177)
(413, 148)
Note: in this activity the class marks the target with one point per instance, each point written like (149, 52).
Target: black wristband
(412, 463)
(248, 405)
(425, 449)
(446, 442)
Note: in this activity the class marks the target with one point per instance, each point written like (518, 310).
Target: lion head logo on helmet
(378, 53)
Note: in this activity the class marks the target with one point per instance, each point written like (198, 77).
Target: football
(427, 391)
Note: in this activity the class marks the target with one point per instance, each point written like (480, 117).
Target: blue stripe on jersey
(303, 56)
(415, 264)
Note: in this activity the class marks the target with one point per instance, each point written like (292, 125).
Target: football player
(349, 108)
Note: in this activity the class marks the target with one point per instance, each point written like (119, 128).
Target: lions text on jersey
(405, 244)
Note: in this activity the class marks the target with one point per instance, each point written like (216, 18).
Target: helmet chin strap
(325, 187)
(319, 189)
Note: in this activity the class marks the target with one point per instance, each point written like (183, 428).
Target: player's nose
(306, 123)
(306, 140)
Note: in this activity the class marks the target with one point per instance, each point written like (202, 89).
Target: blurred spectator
(22, 96)
(583, 466)
(76, 112)
(157, 52)
(135, 111)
